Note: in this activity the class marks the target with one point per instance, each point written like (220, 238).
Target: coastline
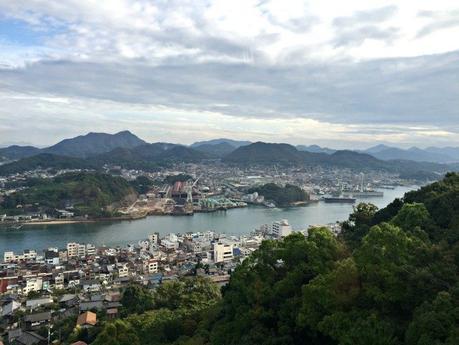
(126, 218)
(72, 221)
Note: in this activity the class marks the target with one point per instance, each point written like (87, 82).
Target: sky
(342, 74)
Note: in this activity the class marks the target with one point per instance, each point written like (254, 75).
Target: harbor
(234, 221)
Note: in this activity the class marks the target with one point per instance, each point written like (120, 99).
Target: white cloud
(240, 67)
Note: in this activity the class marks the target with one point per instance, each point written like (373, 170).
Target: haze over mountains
(128, 151)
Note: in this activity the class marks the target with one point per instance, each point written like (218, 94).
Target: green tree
(136, 300)
(436, 322)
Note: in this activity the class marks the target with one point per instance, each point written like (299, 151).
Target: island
(288, 195)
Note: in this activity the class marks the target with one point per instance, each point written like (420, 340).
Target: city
(214, 172)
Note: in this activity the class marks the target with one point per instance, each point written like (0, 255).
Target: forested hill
(91, 194)
(282, 196)
(284, 154)
(391, 278)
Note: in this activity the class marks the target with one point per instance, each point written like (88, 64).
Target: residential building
(281, 228)
(222, 252)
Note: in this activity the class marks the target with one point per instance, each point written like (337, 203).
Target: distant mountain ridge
(233, 143)
(82, 146)
(315, 149)
(217, 150)
(285, 154)
(94, 143)
(17, 152)
(126, 150)
(430, 154)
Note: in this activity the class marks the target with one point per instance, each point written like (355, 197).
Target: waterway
(235, 221)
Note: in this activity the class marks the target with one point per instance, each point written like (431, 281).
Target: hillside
(282, 196)
(216, 150)
(94, 143)
(284, 154)
(18, 152)
(45, 161)
(390, 278)
(432, 154)
(86, 193)
(231, 142)
(315, 149)
(265, 153)
(150, 156)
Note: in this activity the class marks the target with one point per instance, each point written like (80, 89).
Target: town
(186, 189)
(38, 290)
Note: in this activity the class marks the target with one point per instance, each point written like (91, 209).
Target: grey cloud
(419, 90)
(353, 30)
(438, 21)
(371, 16)
(356, 36)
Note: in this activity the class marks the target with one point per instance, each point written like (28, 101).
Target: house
(91, 305)
(68, 301)
(112, 313)
(37, 320)
(90, 285)
(26, 338)
(9, 308)
(87, 319)
(35, 303)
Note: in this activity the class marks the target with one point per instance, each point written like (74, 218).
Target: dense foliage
(170, 314)
(45, 161)
(90, 194)
(282, 196)
(171, 179)
(142, 184)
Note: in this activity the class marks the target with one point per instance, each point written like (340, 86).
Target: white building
(169, 245)
(33, 284)
(223, 252)
(281, 228)
(123, 271)
(72, 249)
(27, 255)
(90, 249)
(81, 250)
(150, 266)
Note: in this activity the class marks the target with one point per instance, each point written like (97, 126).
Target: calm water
(237, 221)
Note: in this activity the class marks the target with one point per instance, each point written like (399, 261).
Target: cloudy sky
(337, 73)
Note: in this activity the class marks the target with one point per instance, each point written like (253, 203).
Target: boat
(16, 227)
(340, 199)
(365, 194)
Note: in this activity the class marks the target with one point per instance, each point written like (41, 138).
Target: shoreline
(130, 218)
(70, 221)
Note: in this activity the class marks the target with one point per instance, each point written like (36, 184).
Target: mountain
(265, 153)
(89, 193)
(315, 149)
(45, 161)
(435, 155)
(285, 154)
(94, 143)
(234, 143)
(217, 150)
(150, 156)
(452, 152)
(17, 152)
(377, 148)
